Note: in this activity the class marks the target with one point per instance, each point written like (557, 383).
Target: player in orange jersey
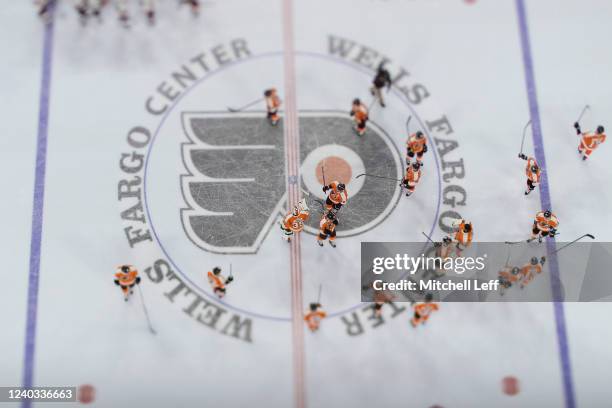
(328, 229)
(412, 177)
(416, 146)
(545, 224)
(126, 278)
(337, 195)
(273, 102)
(508, 275)
(464, 232)
(380, 298)
(533, 172)
(218, 281)
(529, 271)
(589, 141)
(359, 112)
(423, 310)
(294, 221)
(314, 317)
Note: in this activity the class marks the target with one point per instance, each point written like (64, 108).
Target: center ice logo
(235, 185)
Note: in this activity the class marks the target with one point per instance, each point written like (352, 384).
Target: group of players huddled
(545, 223)
(88, 9)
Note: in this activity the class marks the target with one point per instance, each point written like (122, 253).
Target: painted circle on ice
(337, 167)
(168, 241)
(341, 163)
(510, 385)
(86, 394)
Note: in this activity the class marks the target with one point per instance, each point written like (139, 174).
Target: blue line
(538, 143)
(37, 208)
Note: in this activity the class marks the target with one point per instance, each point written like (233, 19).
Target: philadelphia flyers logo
(234, 185)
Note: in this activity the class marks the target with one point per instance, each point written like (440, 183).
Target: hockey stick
(428, 237)
(586, 107)
(323, 174)
(523, 139)
(408, 124)
(144, 307)
(231, 270)
(577, 239)
(319, 296)
(374, 175)
(248, 105)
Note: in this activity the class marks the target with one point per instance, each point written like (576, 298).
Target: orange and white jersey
(415, 144)
(273, 102)
(336, 196)
(295, 223)
(506, 274)
(326, 225)
(591, 140)
(314, 318)
(360, 112)
(412, 177)
(529, 271)
(462, 237)
(531, 175)
(546, 224)
(425, 309)
(126, 279)
(216, 281)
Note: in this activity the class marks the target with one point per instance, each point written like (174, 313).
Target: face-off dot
(336, 168)
(510, 385)
(86, 393)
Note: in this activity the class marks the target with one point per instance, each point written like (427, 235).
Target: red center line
(291, 134)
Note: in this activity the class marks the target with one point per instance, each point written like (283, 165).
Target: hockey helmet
(416, 165)
(216, 270)
(356, 101)
(600, 129)
(314, 306)
(534, 260)
(125, 268)
(515, 270)
(547, 213)
(341, 186)
(419, 134)
(535, 168)
(330, 215)
(467, 227)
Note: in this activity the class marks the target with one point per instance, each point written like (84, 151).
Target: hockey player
(529, 271)
(194, 4)
(328, 229)
(218, 281)
(359, 112)
(533, 172)
(545, 224)
(412, 177)
(294, 221)
(589, 141)
(463, 235)
(126, 278)
(314, 317)
(273, 102)
(337, 195)
(416, 146)
(380, 298)
(508, 275)
(381, 80)
(422, 310)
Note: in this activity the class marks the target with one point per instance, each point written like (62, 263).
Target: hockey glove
(138, 280)
(229, 279)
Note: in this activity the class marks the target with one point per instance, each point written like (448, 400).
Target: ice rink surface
(139, 156)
